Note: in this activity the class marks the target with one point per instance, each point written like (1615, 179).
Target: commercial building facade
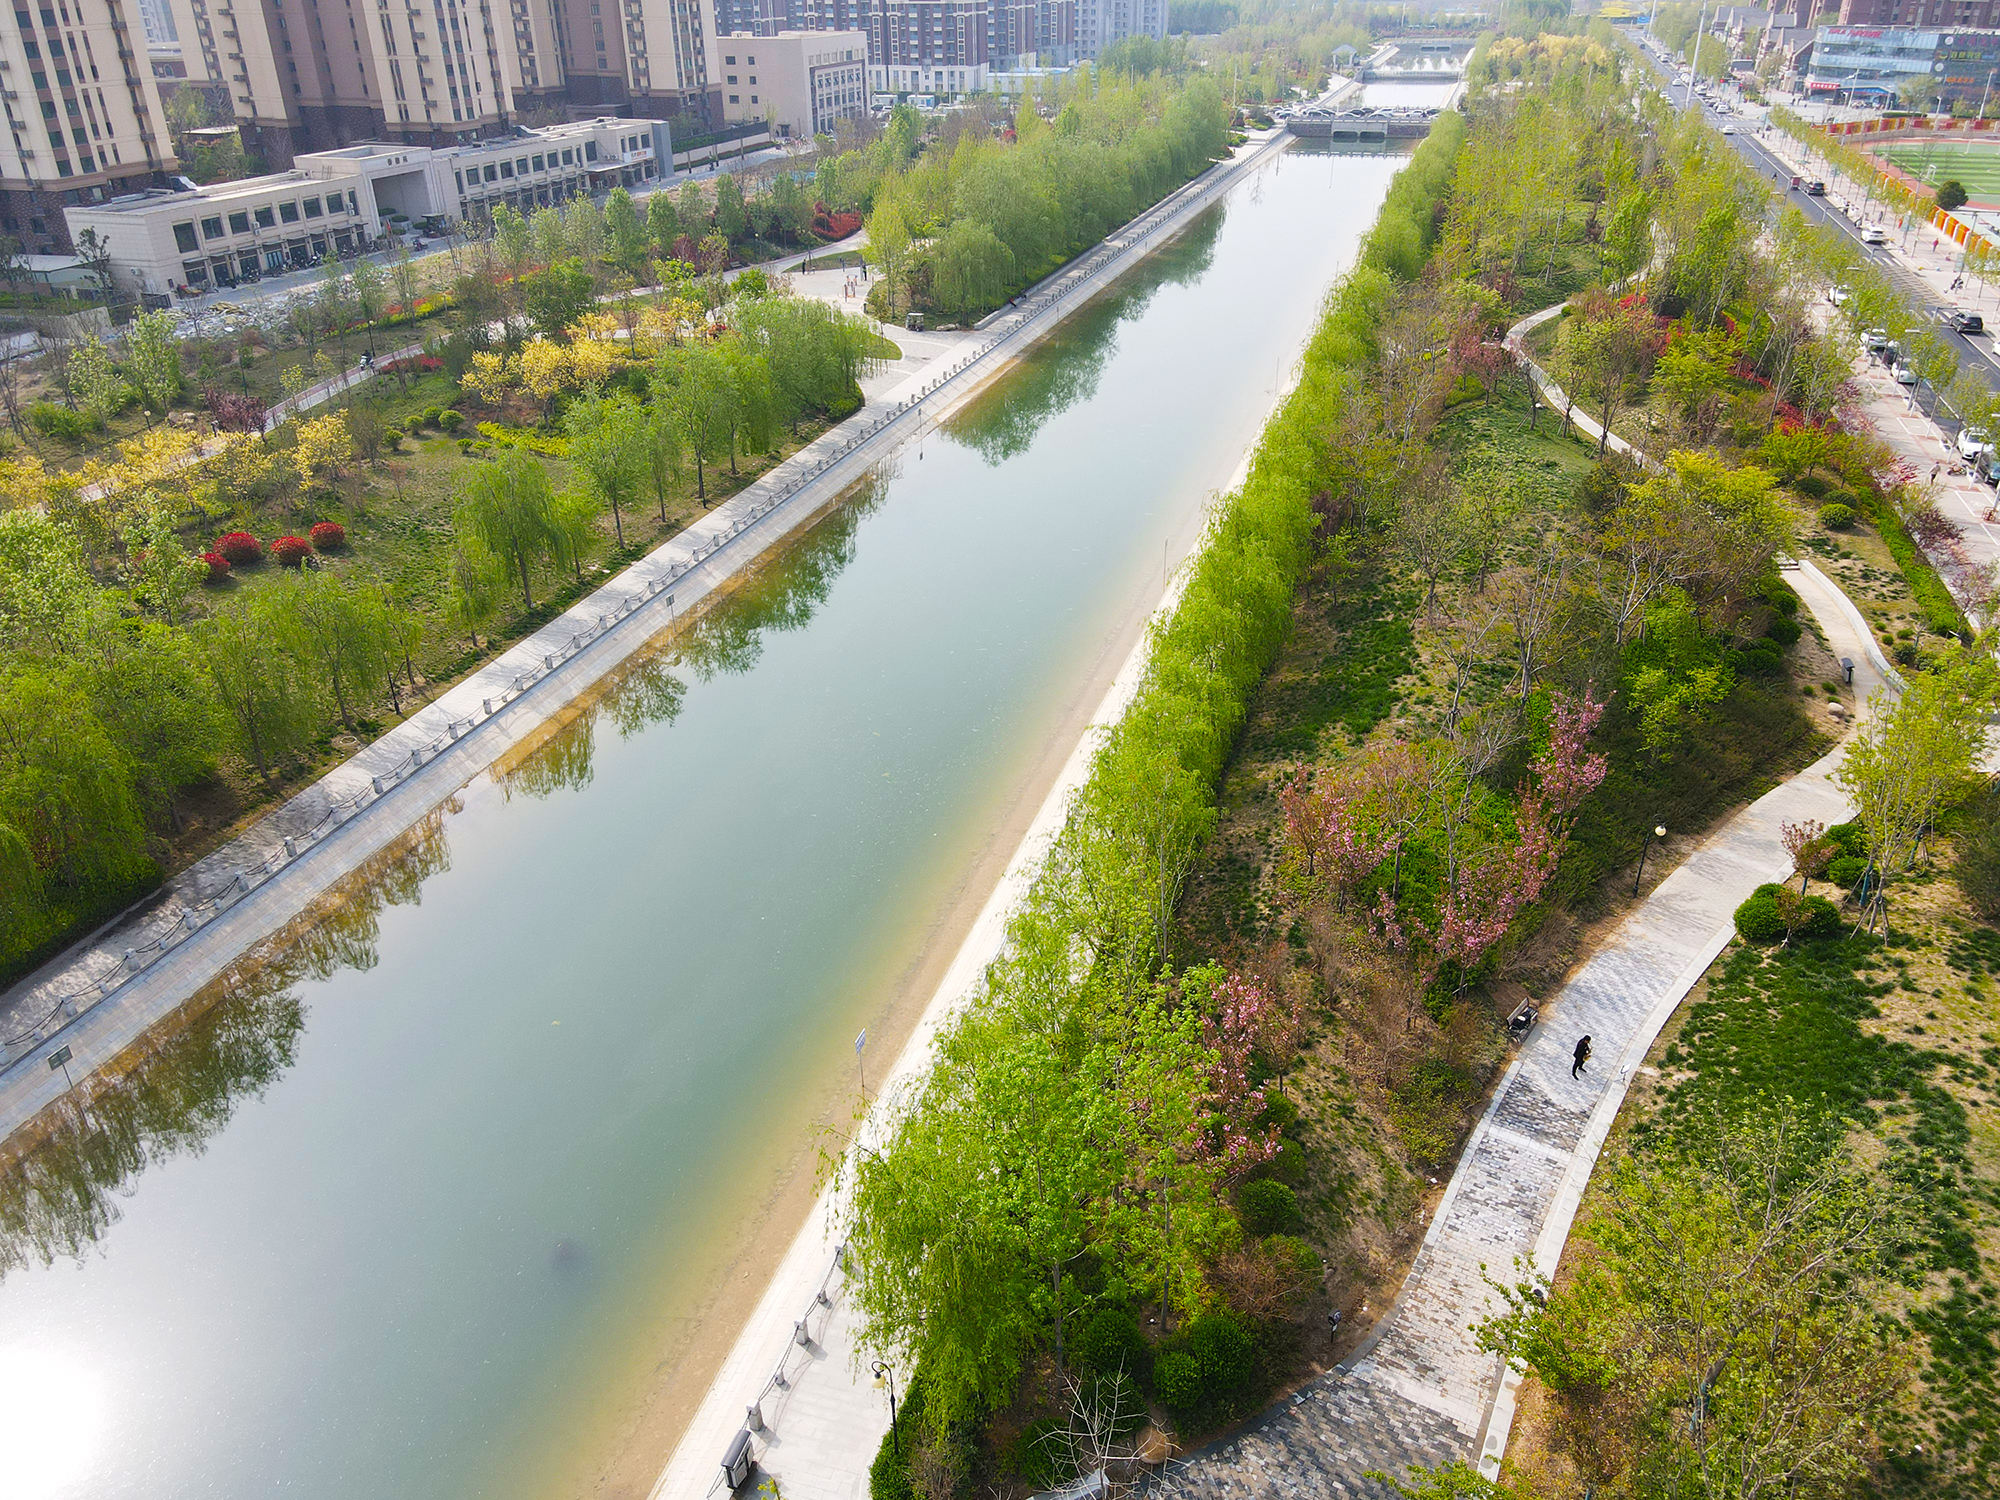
(802, 82)
(1099, 23)
(336, 203)
(1885, 64)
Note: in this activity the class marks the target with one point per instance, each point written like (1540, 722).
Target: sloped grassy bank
(1064, 1160)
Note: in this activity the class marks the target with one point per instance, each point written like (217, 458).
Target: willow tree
(508, 508)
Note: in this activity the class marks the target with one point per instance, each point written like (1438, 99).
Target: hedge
(1758, 920)
(1940, 610)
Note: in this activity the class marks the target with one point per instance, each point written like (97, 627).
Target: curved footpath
(101, 995)
(1418, 1389)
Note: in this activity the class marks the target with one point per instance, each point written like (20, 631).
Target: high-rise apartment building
(310, 75)
(1017, 31)
(83, 112)
(1099, 23)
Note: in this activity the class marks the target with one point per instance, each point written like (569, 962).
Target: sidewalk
(1418, 1388)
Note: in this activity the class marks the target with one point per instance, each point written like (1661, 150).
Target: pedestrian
(1582, 1057)
(1934, 471)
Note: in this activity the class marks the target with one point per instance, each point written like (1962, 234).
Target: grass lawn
(1976, 164)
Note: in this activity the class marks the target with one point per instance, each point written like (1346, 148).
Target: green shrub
(1840, 494)
(1785, 630)
(1267, 1206)
(1209, 1373)
(1846, 870)
(1836, 517)
(1810, 485)
(1279, 1113)
(1177, 1381)
(1109, 1341)
(392, 438)
(1762, 657)
(451, 421)
(1761, 919)
(434, 416)
(1850, 837)
(60, 422)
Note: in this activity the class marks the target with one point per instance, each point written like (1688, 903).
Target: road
(1748, 142)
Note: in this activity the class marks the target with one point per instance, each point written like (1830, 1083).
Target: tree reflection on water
(1063, 369)
(179, 1084)
(173, 1090)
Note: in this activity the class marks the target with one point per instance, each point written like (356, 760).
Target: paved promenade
(1418, 1389)
(100, 996)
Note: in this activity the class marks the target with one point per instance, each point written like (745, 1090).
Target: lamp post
(1656, 832)
(886, 1376)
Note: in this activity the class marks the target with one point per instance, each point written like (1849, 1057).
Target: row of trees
(963, 230)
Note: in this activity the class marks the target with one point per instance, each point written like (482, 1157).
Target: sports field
(1977, 165)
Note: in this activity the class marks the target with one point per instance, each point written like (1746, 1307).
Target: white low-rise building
(948, 79)
(334, 204)
(802, 82)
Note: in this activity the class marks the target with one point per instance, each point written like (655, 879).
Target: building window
(239, 223)
(289, 212)
(734, 100)
(311, 207)
(211, 229)
(184, 237)
(266, 217)
(521, 166)
(569, 158)
(506, 169)
(538, 164)
(590, 151)
(492, 172)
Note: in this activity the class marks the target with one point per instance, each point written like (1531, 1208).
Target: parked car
(1974, 444)
(1904, 374)
(1815, 189)
(1729, 130)
(1874, 234)
(1875, 340)
(1965, 322)
(1838, 295)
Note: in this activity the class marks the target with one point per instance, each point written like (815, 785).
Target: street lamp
(1657, 832)
(886, 1376)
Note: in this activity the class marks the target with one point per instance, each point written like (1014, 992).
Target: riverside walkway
(100, 996)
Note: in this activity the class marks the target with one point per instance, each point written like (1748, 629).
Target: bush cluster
(1836, 517)
(51, 420)
(291, 551)
(218, 566)
(328, 536)
(1761, 918)
(1207, 1373)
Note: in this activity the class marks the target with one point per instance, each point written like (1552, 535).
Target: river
(427, 1203)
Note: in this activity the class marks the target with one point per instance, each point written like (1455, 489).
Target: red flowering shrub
(239, 547)
(236, 411)
(328, 535)
(218, 566)
(290, 551)
(420, 364)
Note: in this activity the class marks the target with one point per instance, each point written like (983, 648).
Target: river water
(423, 1205)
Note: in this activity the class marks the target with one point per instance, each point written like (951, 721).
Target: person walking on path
(1582, 1057)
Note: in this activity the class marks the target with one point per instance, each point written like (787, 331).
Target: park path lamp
(1656, 832)
(886, 1376)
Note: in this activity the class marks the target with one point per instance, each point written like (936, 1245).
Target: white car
(1874, 234)
(1838, 295)
(1973, 444)
(1729, 130)
(1904, 374)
